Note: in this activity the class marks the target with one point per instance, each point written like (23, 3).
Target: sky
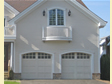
(102, 9)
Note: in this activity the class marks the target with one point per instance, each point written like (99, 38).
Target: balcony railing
(10, 32)
(57, 33)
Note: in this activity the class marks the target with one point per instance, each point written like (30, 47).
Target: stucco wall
(29, 35)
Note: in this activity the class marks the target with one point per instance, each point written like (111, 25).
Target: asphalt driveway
(64, 82)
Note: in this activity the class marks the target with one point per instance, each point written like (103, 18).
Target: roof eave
(102, 24)
(11, 8)
(26, 11)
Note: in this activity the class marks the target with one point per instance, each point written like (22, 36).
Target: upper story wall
(85, 31)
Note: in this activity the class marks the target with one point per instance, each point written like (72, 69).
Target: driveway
(64, 82)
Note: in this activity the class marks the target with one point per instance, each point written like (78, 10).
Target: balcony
(57, 33)
(9, 33)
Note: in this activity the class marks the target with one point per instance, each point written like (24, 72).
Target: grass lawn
(11, 82)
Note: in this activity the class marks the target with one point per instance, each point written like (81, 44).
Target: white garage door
(76, 66)
(36, 66)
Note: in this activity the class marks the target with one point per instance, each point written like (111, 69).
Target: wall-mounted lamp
(69, 13)
(44, 13)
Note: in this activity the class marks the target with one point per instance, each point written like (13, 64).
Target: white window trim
(56, 17)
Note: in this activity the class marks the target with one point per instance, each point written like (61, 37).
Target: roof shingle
(21, 5)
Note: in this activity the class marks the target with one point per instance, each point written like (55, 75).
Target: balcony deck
(57, 34)
(9, 33)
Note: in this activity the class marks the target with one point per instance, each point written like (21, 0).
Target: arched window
(78, 56)
(36, 55)
(56, 17)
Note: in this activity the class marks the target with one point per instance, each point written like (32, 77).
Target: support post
(11, 55)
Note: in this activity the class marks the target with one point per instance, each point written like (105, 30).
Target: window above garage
(56, 17)
(56, 26)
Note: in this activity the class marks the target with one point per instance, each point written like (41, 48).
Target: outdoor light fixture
(69, 13)
(44, 13)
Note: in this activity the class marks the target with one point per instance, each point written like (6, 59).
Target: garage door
(36, 66)
(76, 66)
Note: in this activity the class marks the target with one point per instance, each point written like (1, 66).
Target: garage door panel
(87, 69)
(87, 63)
(80, 67)
(80, 63)
(47, 63)
(68, 63)
(30, 75)
(41, 63)
(83, 70)
(80, 76)
(44, 63)
(29, 69)
(68, 69)
(44, 69)
(83, 76)
(29, 63)
(44, 75)
(47, 69)
(38, 67)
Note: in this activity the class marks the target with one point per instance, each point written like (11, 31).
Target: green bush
(105, 67)
(11, 75)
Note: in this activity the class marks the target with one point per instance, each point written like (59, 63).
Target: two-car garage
(39, 66)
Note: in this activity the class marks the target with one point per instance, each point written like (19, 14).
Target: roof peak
(21, 5)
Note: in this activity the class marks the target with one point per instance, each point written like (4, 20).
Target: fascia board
(27, 11)
(101, 23)
(11, 9)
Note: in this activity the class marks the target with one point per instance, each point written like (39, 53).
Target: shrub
(105, 67)
(11, 75)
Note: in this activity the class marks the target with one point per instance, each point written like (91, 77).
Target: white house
(51, 39)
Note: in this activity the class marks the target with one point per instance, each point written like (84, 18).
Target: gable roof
(10, 8)
(100, 22)
(21, 5)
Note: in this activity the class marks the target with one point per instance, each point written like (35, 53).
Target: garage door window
(83, 56)
(44, 56)
(68, 56)
(29, 56)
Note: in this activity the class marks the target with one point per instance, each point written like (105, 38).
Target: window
(44, 56)
(83, 56)
(56, 17)
(68, 56)
(29, 56)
